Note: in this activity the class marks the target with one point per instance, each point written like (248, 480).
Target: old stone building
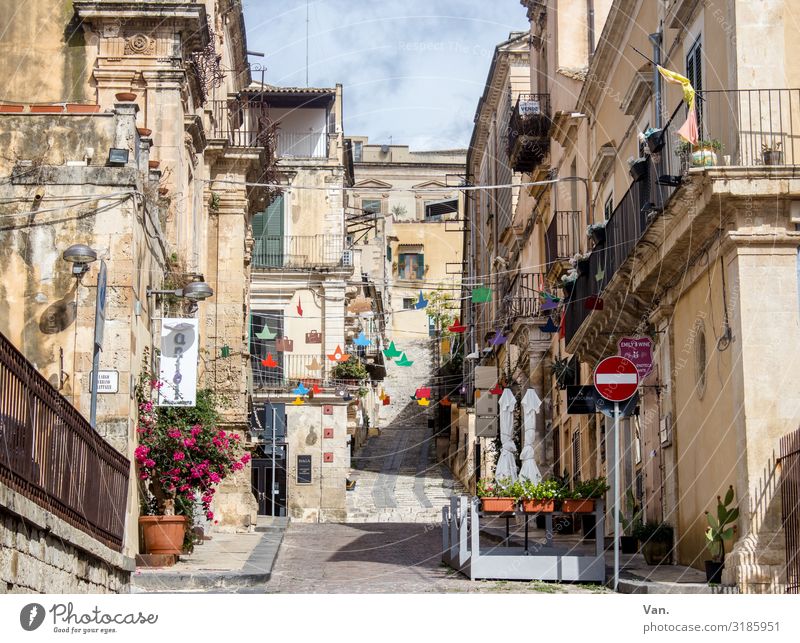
(113, 144)
(683, 241)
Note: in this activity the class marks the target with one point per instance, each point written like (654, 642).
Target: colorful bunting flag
(445, 401)
(499, 339)
(338, 356)
(391, 352)
(456, 327)
(424, 402)
(421, 302)
(362, 340)
(481, 295)
(549, 327)
(266, 333)
(314, 365)
(496, 389)
(593, 302)
(404, 361)
(299, 307)
(548, 304)
(297, 401)
(424, 391)
(269, 362)
(300, 390)
(599, 275)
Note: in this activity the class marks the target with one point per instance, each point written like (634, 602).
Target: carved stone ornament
(140, 45)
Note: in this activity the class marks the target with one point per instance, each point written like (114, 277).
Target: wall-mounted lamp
(194, 291)
(118, 156)
(80, 256)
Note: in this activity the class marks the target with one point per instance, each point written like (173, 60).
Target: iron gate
(790, 501)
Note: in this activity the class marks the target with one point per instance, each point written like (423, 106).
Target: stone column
(766, 341)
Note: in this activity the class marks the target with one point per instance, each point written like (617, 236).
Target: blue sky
(412, 70)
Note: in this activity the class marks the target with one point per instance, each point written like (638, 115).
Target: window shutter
(420, 266)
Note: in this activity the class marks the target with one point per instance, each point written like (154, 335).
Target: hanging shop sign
(313, 337)
(177, 370)
(638, 350)
(581, 400)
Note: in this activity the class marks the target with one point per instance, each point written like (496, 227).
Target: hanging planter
(597, 232)
(655, 138)
(638, 169)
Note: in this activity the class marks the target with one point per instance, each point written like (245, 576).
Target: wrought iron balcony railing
(301, 252)
(562, 238)
(522, 296)
(529, 131)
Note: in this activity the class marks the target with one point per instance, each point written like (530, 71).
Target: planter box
(498, 505)
(657, 553)
(639, 169)
(82, 108)
(583, 506)
(163, 534)
(705, 157)
(12, 108)
(774, 157)
(538, 506)
(47, 109)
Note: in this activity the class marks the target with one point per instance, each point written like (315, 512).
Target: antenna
(306, 43)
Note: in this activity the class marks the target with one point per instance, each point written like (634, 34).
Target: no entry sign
(616, 378)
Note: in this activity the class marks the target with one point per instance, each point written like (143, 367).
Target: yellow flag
(423, 401)
(675, 77)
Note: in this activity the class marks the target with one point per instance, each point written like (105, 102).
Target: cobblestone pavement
(380, 558)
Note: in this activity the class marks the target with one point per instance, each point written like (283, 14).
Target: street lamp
(194, 291)
(80, 256)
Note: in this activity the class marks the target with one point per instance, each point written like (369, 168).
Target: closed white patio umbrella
(506, 464)
(530, 406)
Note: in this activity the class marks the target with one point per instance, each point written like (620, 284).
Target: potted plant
(568, 281)
(771, 153)
(597, 232)
(580, 262)
(631, 520)
(720, 528)
(655, 139)
(704, 154)
(656, 541)
(581, 498)
(497, 495)
(351, 370)
(564, 372)
(538, 497)
(181, 457)
(638, 167)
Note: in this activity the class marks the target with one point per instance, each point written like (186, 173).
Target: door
(270, 504)
(268, 236)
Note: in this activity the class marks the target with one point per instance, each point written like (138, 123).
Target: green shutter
(420, 266)
(268, 235)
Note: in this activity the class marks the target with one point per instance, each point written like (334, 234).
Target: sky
(412, 71)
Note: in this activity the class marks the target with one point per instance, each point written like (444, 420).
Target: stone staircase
(397, 477)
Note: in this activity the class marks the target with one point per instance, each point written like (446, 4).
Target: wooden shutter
(420, 266)
(268, 235)
(694, 72)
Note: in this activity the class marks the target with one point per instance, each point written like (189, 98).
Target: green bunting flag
(481, 295)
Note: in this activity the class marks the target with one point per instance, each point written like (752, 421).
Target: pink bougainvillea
(183, 461)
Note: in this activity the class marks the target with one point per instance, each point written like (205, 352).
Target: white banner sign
(178, 363)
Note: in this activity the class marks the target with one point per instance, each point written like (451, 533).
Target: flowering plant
(502, 488)
(577, 257)
(182, 455)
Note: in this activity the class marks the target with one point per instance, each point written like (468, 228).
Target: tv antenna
(307, 43)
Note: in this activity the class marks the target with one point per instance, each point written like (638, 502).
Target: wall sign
(638, 350)
(177, 370)
(107, 381)
(303, 469)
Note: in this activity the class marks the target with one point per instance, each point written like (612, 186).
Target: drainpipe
(655, 38)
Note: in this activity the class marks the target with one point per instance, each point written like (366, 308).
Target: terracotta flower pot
(163, 191)
(538, 506)
(12, 108)
(144, 131)
(163, 534)
(497, 505)
(125, 97)
(82, 108)
(582, 506)
(153, 165)
(47, 109)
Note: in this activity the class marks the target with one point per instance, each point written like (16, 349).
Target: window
(268, 251)
(431, 327)
(371, 206)
(431, 213)
(694, 72)
(357, 151)
(411, 265)
(408, 303)
(608, 207)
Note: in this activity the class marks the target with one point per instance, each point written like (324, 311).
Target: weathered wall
(41, 553)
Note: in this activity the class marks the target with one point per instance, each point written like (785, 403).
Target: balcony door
(265, 327)
(268, 233)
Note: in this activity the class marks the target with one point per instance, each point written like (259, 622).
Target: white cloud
(412, 70)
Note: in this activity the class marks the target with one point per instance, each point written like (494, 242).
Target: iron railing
(317, 251)
(50, 454)
(562, 238)
(291, 368)
(790, 505)
(749, 122)
(522, 297)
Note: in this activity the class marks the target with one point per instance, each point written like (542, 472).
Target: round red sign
(616, 378)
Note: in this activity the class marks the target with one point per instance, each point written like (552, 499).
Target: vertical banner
(177, 370)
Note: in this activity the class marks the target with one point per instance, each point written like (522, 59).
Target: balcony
(247, 125)
(562, 238)
(529, 132)
(291, 368)
(301, 252)
(50, 454)
(522, 296)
